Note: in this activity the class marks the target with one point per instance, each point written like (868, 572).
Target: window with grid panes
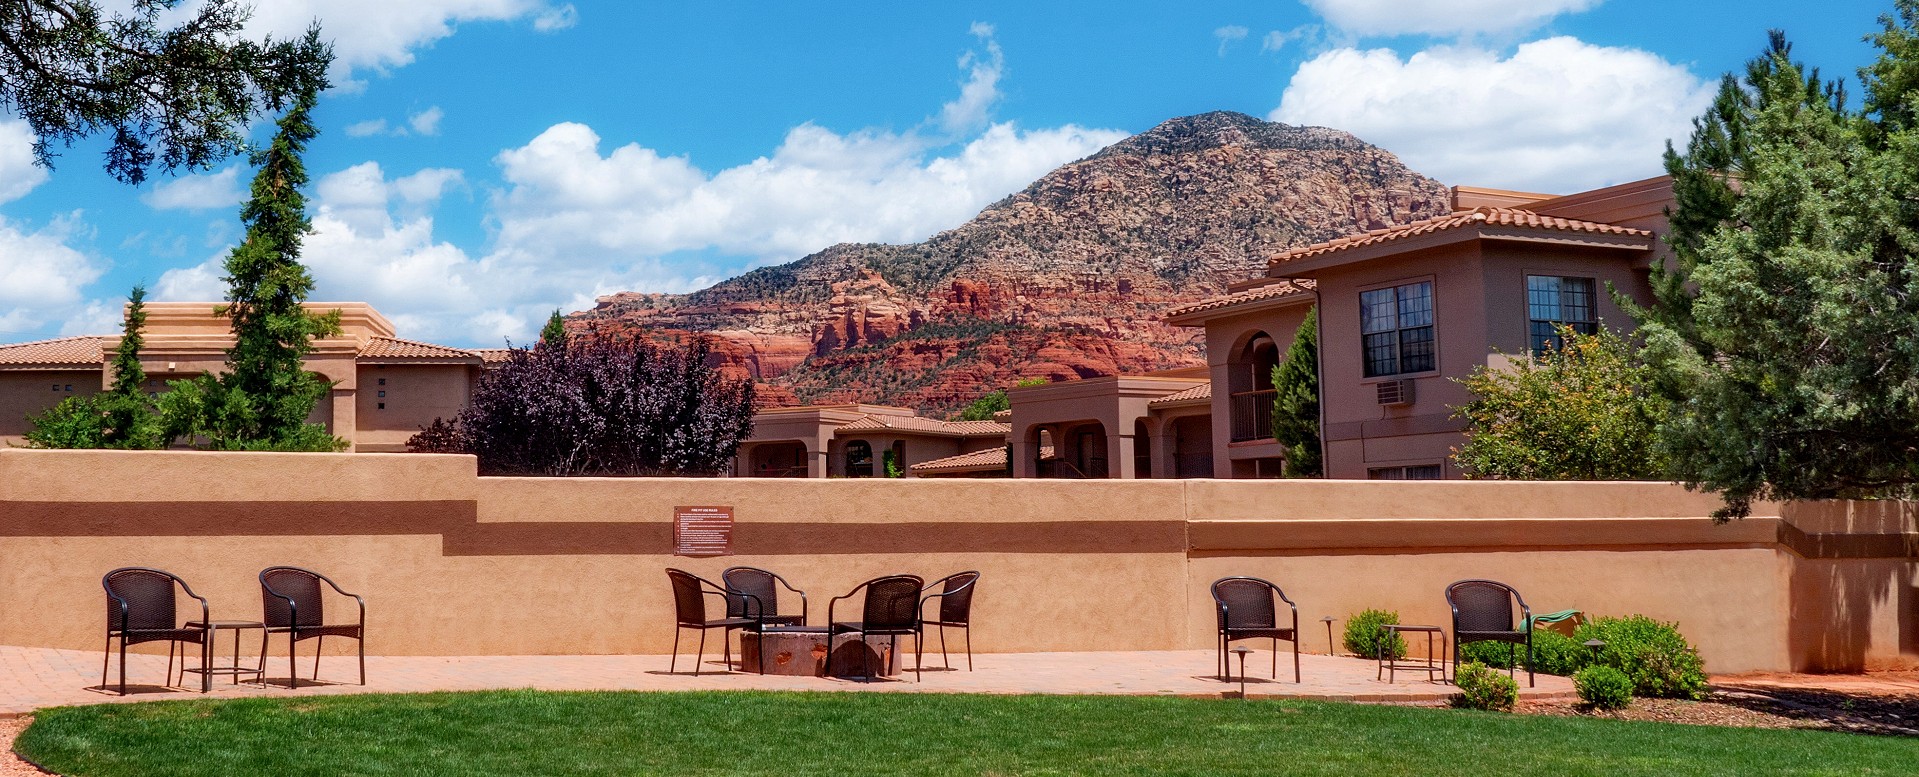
(1552, 302)
(1396, 329)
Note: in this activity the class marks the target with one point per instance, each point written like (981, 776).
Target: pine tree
(1782, 332)
(122, 416)
(263, 399)
(553, 335)
(1296, 401)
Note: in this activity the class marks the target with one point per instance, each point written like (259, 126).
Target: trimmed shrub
(1603, 687)
(1483, 688)
(1553, 653)
(1653, 655)
(1365, 634)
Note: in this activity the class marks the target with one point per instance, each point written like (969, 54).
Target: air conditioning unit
(1395, 392)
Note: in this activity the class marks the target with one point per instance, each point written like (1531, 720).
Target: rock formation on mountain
(1065, 279)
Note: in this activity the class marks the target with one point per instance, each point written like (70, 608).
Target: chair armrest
(293, 607)
(206, 614)
(124, 611)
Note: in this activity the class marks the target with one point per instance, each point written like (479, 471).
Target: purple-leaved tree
(596, 404)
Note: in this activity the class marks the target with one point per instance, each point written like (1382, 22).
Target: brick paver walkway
(31, 678)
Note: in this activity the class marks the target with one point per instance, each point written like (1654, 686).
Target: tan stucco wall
(415, 394)
(456, 564)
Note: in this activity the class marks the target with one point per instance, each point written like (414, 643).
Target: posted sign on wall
(703, 531)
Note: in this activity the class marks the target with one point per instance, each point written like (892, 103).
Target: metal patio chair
(294, 605)
(1484, 611)
(141, 607)
(754, 593)
(1246, 610)
(689, 612)
(956, 611)
(891, 609)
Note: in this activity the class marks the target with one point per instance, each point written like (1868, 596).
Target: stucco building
(854, 441)
(385, 388)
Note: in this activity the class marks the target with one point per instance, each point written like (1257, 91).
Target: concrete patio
(31, 678)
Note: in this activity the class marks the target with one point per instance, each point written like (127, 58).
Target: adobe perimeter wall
(452, 563)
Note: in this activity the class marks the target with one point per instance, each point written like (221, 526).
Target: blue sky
(483, 162)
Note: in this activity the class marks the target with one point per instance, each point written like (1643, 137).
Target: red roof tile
(1481, 216)
(913, 423)
(395, 348)
(989, 459)
(1268, 291)
(63, 352)
(1201, 391)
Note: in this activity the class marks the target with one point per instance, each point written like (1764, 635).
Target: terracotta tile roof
(1481, 216)
(989, 459)
(493, 355)
(64, 352)
(1269, 291)
(913, 423)
(395, 348)
(1201, 391)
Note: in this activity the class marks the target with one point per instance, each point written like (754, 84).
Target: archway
(859, 459)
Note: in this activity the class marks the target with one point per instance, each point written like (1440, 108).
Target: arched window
(859, 459)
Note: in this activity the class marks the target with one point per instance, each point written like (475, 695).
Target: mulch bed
(1887, 715)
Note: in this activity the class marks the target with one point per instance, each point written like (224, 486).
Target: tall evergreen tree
(553, 335)
(1296, 401)
(120, 417)
(263, 399)
(1783, 330)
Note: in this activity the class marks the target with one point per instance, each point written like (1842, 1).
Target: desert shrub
(1603, 687)
(1653, 655)
(1498, 655)
(1483, 688)
(1366, 633)
(1553, 653)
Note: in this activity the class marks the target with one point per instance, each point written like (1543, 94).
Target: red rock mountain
(1065, 279)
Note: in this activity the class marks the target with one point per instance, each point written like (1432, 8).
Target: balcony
(1253, 415)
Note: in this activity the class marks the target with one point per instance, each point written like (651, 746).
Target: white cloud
(426, 122)
(99, 317)
(199, 283)
(556, 18)
(380, 35)
(1558, 115)
(1277, 39)
(1442, 17)
(1229, 35)
(18, 173)
(980, 91)
(41, 276)
(361, 129)
(818, 188)
(197, 191)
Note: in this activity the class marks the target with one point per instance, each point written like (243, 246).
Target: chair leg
(944, 661)
(919, 643)
(260, 676)
(362, 643)
(317, 650)
(828, 670)
(1295, 657)
(674, 662)
(171, 647)
(1532, 681)
(726, 648)
(866, 657)
(700, 654)
(968, 631)
(123, 664)
(293, 669)
(106, 660)
(206, 661)
(1275, 658)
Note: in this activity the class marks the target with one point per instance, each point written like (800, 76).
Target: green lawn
(536, 733)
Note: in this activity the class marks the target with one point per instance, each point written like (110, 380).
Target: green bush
(1653, 655)
(1603, 687)
(1483, 688)
(1366, 634)
(1553, 653)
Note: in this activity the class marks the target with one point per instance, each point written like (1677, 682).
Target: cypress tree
(263, 399)
(1296, 401)
(553, 335)
(120, 417)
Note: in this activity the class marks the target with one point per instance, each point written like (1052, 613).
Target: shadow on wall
(1842, 603)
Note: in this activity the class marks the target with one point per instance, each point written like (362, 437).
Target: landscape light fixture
(1241, 651)
(1328, 620)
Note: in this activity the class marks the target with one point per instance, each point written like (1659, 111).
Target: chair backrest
(689, 603)
(1482, 605)
(1244, 603)
(893, 602)
(956, 603)
(754, 582)
(300, 585)
(149, 598)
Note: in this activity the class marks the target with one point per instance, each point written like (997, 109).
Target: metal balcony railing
(1253, 415)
